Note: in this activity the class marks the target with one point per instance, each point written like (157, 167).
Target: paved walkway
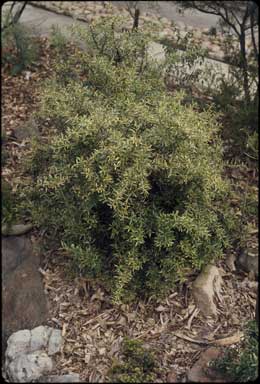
(42, 20)
(170, 11)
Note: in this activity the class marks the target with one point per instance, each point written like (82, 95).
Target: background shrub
(57, 39)
(19, 48)
(206, 83)
(131, 181)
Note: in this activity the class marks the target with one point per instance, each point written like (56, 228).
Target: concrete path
(165, 9)
(169, 10)
(42, 21)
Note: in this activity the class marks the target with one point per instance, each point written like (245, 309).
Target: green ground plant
(138, 366)
(241, 364)
(131, 182)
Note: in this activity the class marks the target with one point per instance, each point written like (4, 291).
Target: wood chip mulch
(173, 328)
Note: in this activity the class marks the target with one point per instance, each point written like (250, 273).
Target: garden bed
(93, 327)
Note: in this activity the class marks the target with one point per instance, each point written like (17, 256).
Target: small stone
(249, 262)
(18, 343)
(55, 342)
(230, 262)
(29, 367)
(235, 319)
(102, 351)
(200, 372)
(172, 377)
(204, 288)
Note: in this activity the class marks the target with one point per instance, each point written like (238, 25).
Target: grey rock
(248, 261)
(69, 378)
(204, 289)
(39, 338)
(18, 343)
(201, 373)
(230, 262)
(28, 368)
(24, 303)
(55, 342)
(27, 359)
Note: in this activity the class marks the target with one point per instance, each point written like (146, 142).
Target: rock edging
(28, 357)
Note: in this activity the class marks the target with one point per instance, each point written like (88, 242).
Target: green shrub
(19, 48)
(57, 39)
(252, 146)
(138, 364)
(131, 182)
(240, 116)
(241, 364)
(226, 91)
(212, 31)
(240, 121)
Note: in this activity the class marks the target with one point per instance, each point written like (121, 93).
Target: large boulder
(24, 301)
(207, 286)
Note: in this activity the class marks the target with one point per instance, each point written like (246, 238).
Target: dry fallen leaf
(160, 308)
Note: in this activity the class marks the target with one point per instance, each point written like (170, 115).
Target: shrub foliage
(19, 48)
(138, 366)
(130, 181)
